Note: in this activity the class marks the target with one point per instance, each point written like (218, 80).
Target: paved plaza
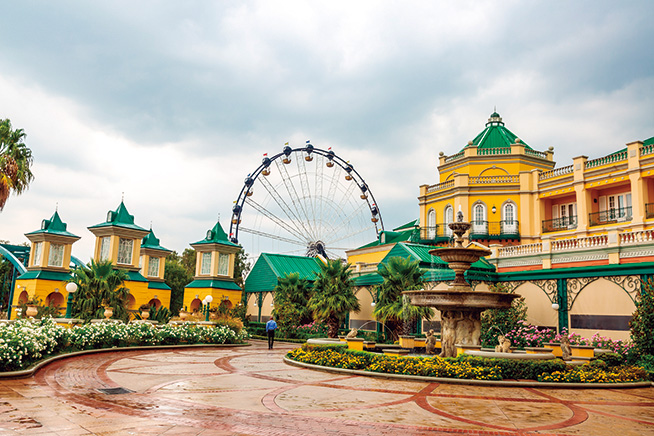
(250, 391)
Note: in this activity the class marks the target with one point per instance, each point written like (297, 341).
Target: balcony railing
(560, 224)
(431, 234)
(649, 210)
(610, 216)
(495, 230)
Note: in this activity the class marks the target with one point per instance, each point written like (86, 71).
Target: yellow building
(214, 272)
(576, 240)
(490, 181)
(118, 239)
(153, 265)
(48, 266)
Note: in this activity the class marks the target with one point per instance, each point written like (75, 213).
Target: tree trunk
(332, 327)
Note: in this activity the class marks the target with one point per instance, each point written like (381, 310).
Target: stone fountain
(460, 306)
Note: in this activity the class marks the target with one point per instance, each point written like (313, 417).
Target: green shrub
(501, 321)
(642, 323)
(257, 328)
(516, 368)
(612, 359)
(323, 347)
(647, 363)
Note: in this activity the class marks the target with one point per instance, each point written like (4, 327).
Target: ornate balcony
(487, 230)
(610, 216)
(560, 224)
(649, 210)
(434, 234)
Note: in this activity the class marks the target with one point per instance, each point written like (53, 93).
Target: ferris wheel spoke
(271, 236)
(288, 211)
(306, 193)
(320, 162)
(295, 198)
(346, 222)
(363, 229)
(335, 216)
(274, 218)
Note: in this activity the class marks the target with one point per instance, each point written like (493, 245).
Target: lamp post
(71, 288)
(207, 300)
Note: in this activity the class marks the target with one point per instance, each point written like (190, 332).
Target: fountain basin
(461, 300)
(458, 254)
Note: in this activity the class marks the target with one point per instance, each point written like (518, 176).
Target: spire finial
(494, 108)
(122, 198)
(57, 207)
(218, 216)
(150, 225)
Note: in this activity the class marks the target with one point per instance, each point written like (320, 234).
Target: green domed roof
(152, 242)
(495, 135)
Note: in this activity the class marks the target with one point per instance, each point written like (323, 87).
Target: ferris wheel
(305, 201)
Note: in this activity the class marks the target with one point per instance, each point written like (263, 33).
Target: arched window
(479, 212)
(431, 224)
(479, 223)
(449, 218)
(509, 222)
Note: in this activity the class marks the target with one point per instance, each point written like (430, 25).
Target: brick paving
(250, 391)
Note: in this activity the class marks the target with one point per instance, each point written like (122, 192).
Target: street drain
(115, 391)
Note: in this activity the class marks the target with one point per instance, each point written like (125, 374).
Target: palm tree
(333, 298)
(291, 298)
(99, 285)
(15, 162)
(392, 309)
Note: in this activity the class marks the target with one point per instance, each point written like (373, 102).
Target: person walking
(271, 326)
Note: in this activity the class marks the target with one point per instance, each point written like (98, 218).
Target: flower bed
(527, 335)
(592, 374)
(25, 342)
(465, 367)
(337, 357)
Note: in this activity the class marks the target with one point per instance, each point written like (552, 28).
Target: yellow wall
(40, 288)
(369, 255)
(217, 294)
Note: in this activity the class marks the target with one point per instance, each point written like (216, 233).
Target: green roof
(214, 283)
(158, 285)
(53, 226)
(119, 218)
(269, 267)
(649, 141)
(216, 236)
(386, 237)
(495, 135)
(135, 276)
(152, 242)
(46, 275)
(435, 269)
(371, 279)
(421, 253)
(408, 226)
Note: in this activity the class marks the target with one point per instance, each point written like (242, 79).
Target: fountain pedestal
(460, 306)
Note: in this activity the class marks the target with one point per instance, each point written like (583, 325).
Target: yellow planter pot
(582, 350)
(407, 341)
(355, 344)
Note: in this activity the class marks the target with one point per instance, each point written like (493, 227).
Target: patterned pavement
(250, 391)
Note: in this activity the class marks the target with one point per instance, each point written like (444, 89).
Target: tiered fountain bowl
(459, 305)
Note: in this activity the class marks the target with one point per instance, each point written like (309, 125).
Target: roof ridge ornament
(495, 118)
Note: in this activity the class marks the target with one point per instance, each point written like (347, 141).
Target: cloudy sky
(174, 103)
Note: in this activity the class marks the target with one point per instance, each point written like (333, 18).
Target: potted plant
(145, 311)
(108, 311)
(32, 306)
(183, 314)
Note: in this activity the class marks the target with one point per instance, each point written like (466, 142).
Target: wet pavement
(250, 391)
